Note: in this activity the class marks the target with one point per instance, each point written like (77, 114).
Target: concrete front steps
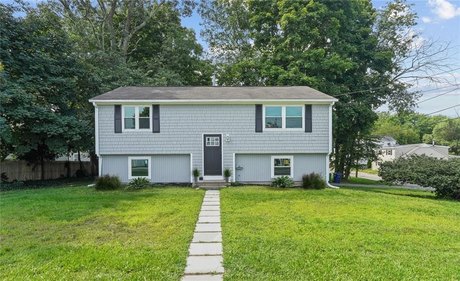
(212, 185)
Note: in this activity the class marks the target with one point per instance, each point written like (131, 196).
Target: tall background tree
(42, 87)
(54, 57)
(344, 48)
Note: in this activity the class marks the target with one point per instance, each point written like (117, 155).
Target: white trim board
(215, 101)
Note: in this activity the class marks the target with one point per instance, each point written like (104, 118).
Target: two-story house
(259, 133)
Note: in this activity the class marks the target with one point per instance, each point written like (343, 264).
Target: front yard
(268, 234)
(346, 234)
(82, 234)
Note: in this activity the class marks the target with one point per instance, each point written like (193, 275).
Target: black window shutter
(308, 119)
(258, 118)
(117, 118)
(155, 118)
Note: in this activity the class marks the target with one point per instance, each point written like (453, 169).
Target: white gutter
(330, 149)
(96, 139)
(215, 101)
(96, 125)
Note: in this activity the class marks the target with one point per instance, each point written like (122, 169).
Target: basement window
(282, 166)
(139, 167)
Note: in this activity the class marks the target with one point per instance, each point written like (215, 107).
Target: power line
(437, 96)
(378, 88)
(444, 109)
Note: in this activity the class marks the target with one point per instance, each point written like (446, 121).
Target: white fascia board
(236, 101)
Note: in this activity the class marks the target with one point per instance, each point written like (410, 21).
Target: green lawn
(361, 181)
(82, 234)
(369, 171)
(345, 234)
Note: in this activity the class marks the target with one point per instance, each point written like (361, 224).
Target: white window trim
(130, 158)
(136, 118)
(283, 118)
(290, 157)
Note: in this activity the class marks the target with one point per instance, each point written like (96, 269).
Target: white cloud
(444, 9)
(426, 20)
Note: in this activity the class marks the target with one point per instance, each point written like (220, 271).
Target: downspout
(330, 149)
(96, 139)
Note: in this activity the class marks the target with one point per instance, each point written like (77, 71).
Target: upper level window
(283, 117)
(136, 117)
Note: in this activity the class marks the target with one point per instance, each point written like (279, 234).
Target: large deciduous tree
(42, 87)
(344, 48)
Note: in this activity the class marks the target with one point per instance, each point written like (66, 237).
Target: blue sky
(437, 20)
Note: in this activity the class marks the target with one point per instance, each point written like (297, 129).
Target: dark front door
(212, 155)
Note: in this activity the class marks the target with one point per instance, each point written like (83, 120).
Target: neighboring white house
(258, 133)
(386, 141)
(390, 153)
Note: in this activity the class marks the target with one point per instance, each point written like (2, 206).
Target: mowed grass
(82, 234)
(345, 234)
(361, 181)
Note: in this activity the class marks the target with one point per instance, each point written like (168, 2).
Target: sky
(437, 20)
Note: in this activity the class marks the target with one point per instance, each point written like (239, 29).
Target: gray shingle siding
(183, 126)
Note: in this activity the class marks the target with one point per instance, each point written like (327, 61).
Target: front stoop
(205, 261)
(212, 185)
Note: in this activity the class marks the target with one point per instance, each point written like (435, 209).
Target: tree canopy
(346, 49)
(58, 55)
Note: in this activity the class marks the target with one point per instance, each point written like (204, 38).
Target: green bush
(283, 182)
(108, 182)
(313, 181)
(138, 183)
(442, 175)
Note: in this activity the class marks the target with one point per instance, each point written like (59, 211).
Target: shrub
(108, 182)
(227, 173)
(283, 182)
(138, 183)
(313, 181)
(236, 183)
(196, 173)
(4, 177)
(81, 173)
(442, 175)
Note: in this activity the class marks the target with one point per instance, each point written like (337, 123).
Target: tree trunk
(79, 161)
(42, 168)
(68, 163)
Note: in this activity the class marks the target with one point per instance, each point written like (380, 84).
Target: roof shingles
(213, 93)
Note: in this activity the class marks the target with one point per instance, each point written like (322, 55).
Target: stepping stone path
(205, 262)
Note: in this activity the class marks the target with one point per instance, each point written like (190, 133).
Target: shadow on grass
(69, 203)
(402, 192)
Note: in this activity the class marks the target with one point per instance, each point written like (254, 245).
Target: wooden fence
(22, 171)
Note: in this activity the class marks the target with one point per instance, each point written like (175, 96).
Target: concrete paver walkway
(205, 262)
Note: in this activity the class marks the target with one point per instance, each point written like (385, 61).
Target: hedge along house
(259, 133)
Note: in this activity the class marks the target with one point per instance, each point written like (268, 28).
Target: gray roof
(213, 93)
(438, 151)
